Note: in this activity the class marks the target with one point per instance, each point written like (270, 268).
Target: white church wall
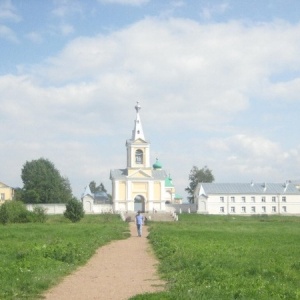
(59, 209)
(102, 208)
(121, 206)
(50, 209)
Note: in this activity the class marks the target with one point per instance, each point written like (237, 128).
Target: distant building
(141, 186)
(6, 193)
(101, 198)
(247, 198)
(95, 203)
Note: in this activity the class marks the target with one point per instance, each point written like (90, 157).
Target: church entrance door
(139, 203)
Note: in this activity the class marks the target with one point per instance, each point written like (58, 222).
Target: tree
(74, 210)
(197, 176)
(17, 194)
(94, 188)
(43, 183)
(102, 188)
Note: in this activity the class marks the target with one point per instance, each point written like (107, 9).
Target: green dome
(168, 182)
(157, 165)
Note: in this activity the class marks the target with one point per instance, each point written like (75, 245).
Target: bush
(74, 210)
(38, 215)
(14, 212)
(3, 214)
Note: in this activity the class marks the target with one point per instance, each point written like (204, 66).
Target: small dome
(157, 165)
(101, 198)
(169, 182)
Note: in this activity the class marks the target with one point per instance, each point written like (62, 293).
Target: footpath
(117, 271)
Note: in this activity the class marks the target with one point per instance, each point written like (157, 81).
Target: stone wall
(59, 209)
(51, 209)
(182, 208)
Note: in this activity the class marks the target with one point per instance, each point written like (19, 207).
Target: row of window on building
(253, 209)
(253, 199)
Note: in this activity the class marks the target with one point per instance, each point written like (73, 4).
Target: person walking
(139, 220)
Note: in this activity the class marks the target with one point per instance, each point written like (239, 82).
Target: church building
(140, 186)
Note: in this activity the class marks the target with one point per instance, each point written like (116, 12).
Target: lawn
(201, 257)
(214, 257)
(35, 256)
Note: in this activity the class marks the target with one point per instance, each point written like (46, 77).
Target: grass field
(201, 257)
(213, 257)
(34, 256)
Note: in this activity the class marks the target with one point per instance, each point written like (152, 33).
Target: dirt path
(117, 271)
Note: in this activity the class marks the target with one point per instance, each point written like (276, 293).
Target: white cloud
(57, 123)
(253, 146)
(35, 37)
(66, 29)
(67, 8)
(209, 11)
(67, 11)
(284, 91)
(125, 2)
(8, 34)
(208, 72)
(62, 29)
(8, 12)
(195, 82)
(252, 157)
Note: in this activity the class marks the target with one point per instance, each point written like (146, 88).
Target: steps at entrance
(153, 217)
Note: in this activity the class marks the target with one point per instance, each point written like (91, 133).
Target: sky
(218, 82)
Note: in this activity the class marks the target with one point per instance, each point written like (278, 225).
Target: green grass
(213, 257)
(35, 256)
(201, 257)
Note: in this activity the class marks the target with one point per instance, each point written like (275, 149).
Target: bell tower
(138, 149)
(140, 186)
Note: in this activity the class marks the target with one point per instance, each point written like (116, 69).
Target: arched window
(139, 156)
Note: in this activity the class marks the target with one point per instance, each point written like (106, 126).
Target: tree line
(43, 183)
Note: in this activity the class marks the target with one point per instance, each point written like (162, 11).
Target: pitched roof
(249, 188)
(101, 197)
(3, 185)
(118, 174)
(87, 191)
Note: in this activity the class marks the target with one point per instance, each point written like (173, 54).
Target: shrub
(3, 214)
(38, 215)
(74, 210)
(14, 212)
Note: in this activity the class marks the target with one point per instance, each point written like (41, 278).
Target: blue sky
(218, 82)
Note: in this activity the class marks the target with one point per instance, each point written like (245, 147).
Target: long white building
(247, 198)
